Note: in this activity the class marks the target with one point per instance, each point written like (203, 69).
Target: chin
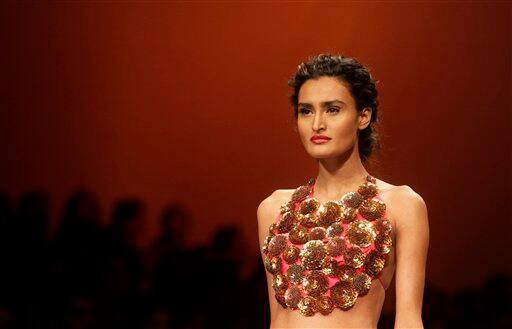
(322, 154)
(321, 157)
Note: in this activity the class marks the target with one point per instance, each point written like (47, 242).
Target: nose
(318, 121)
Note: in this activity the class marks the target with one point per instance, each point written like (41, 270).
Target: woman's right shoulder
(269, 207)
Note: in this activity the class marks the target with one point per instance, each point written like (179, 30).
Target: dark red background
(188, 102)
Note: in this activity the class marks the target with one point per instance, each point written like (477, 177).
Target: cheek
(302, 129)
(345, 134)
(344, 128)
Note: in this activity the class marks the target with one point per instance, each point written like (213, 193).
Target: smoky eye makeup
(331, 110)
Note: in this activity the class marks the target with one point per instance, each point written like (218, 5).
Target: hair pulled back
(362, 87)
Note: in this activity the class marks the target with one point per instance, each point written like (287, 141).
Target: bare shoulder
(270, 205)
(269, 208)
(407, 205)
(403, 192)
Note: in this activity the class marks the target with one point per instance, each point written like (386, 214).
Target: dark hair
(362, 87)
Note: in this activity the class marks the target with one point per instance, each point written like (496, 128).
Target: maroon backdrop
(188, 102)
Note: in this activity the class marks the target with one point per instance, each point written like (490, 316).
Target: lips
(319, 138)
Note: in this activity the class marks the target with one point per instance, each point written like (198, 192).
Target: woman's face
(326, 108)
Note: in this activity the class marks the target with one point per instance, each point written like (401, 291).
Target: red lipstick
(319, 139)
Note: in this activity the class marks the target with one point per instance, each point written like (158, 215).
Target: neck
(337, 176)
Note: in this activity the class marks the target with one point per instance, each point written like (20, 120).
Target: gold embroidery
(325, 255)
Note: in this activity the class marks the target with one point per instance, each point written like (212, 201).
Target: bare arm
(266, 213)
(411, 250)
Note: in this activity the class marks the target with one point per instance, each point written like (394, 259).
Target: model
(332, 245)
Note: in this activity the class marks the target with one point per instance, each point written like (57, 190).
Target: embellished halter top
(325, 255)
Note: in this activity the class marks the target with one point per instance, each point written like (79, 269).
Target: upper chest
(389, 194)
(326, 253)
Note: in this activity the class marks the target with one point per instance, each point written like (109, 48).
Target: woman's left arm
(412, 235)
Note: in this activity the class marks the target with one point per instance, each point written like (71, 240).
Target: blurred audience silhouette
(90, 276)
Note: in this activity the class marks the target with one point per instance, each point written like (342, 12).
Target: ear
(365, 117)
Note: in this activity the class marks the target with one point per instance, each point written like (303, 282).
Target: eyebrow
(326, 103)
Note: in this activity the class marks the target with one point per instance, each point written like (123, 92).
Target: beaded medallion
(325, 256)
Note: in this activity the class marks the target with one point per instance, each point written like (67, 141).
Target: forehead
(324, 88)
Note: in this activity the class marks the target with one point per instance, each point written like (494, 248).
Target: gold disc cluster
(331, 255)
